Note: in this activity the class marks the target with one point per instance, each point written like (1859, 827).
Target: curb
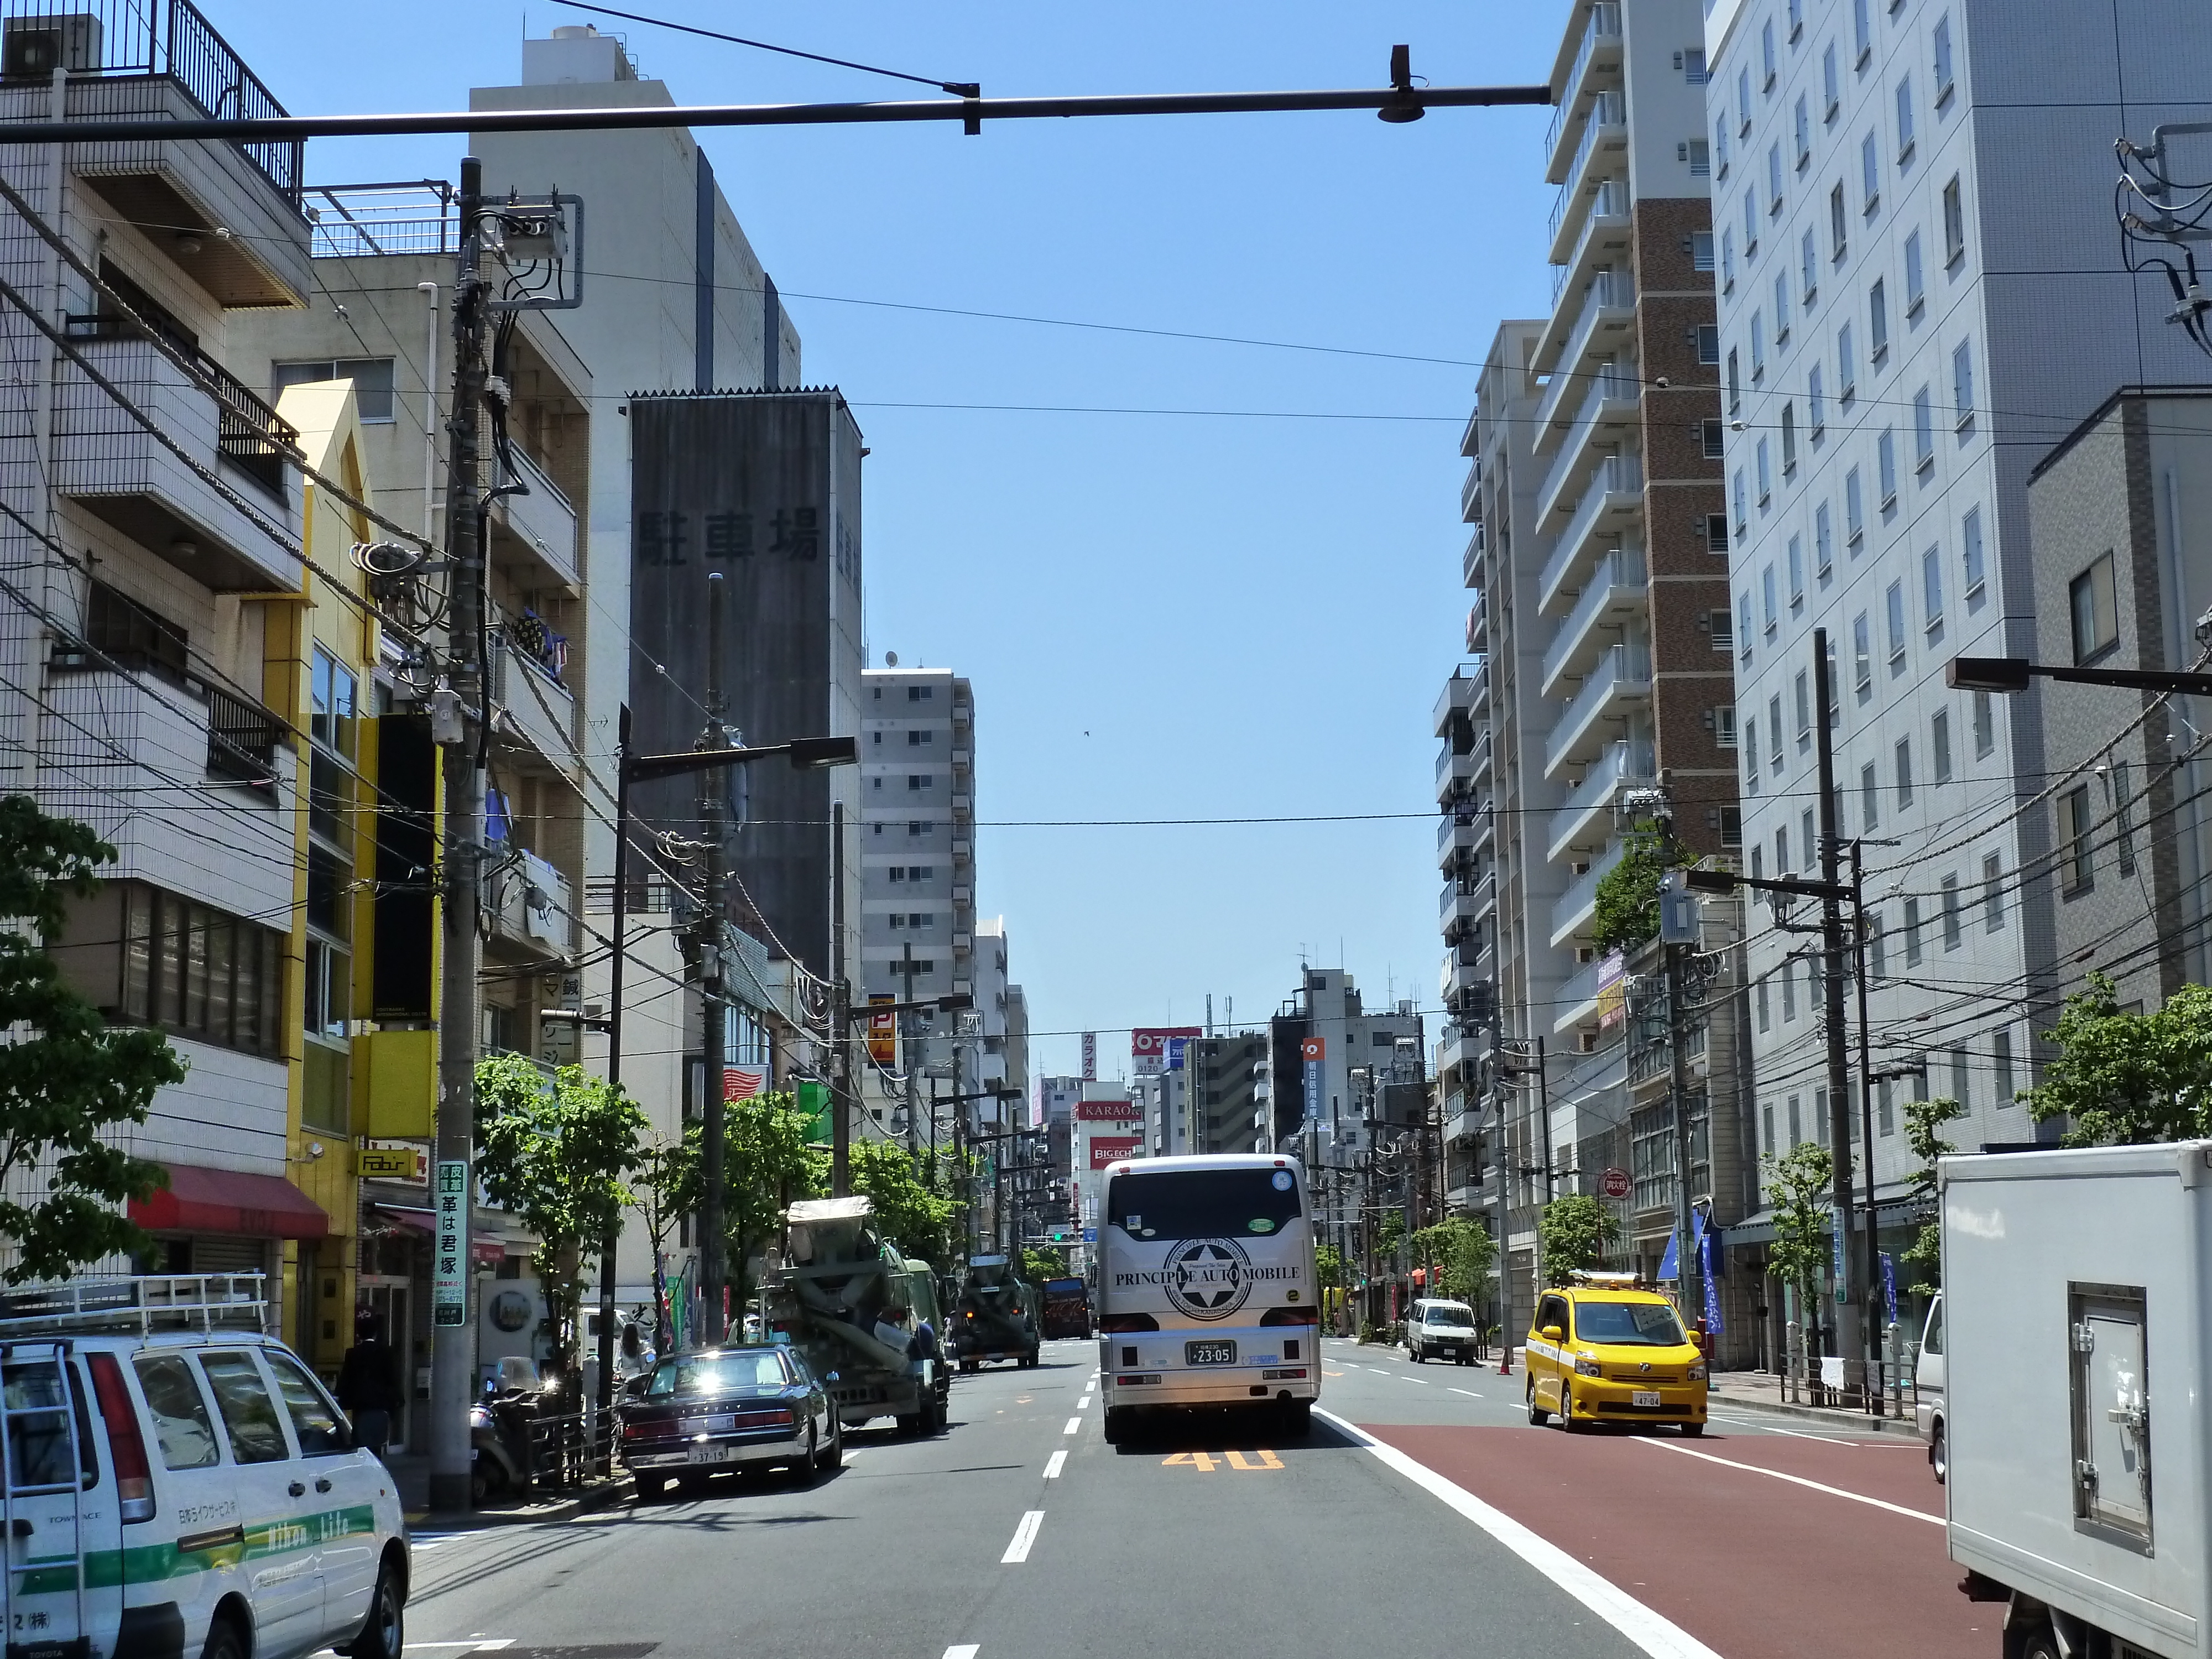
(1832, 1416)
(567, 1509)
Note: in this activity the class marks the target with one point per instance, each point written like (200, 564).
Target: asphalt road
(1019, 1533)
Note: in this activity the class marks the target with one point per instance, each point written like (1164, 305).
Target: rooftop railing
(357, 220)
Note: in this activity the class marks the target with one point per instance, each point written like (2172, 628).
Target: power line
(957, 88)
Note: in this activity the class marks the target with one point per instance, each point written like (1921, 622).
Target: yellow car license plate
(1646, 1397)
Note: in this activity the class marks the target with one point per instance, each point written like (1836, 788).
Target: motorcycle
(499, 1445)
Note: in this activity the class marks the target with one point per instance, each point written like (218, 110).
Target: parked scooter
(499, 1433)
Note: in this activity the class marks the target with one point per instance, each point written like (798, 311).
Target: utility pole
(909, 1055)
(1660, 802)
(1832, 938)
(610, 1245)
(1866, 1097)
(841, 1016)
(713, 799)
(453, 1336)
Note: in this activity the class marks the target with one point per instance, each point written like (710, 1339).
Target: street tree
(767, 1164)
(1797, 1190)
(1463, 1254)
(1923, 1139)
(663, 1188)
(558, 1154)
(67, 1078)
(1328, 1266)
(1574, 1232)
(907, 1210)
(1627, 913)
(1042, 1262)
(2125, 1078)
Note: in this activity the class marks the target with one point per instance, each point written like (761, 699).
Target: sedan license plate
(707, 1453)
(1209, 1353)
(1646, 1397)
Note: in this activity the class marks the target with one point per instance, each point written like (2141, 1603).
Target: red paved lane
(1755, 1567)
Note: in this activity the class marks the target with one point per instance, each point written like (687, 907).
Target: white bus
(1208, 1294)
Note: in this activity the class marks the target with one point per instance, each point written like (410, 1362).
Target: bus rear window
(1202, 1203)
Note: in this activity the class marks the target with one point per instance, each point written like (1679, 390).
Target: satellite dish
(890, 659)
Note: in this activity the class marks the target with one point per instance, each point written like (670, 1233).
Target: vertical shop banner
(1706, 1272)
(449, 1268)
(1091, 1056)
(1313, 1050)
(883, 1033)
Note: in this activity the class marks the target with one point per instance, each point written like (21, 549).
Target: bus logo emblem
(1208, 1278)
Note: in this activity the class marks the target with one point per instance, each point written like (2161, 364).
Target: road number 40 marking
(1204, 1462)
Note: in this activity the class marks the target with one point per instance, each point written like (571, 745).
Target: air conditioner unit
(34, 47)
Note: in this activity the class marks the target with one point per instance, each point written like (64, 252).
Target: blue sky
(1164, 617)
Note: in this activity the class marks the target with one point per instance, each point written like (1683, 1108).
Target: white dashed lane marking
(1024, 1535)
(1056, 1463)
(1074, 1426)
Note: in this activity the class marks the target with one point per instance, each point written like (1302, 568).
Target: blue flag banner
(1705, 1268)
(1889, 1285)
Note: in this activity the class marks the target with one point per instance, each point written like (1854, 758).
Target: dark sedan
(725, 1410)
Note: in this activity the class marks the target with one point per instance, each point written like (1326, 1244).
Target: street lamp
(805, 754)
(2007, 676)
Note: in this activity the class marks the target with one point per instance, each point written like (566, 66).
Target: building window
(371, 376)
(1931, 592)
(1797, 561)
(1766, 61)
(1769, 611)
(1743, 100)
(915, 740)
(2123, 840)
(1774, 765)
(2095, 611)
(1808, 269)
(1709, 344)
(1750, 223)
(1781, 307)
(1724, 725)
(2000, 1058)
(1903, 772)
(1893, 604)
(1884, 1098)
(1743, 623)
(1885, 457)
(1717, 539)
(1869, 176)
(1720, 144)
(1715, 441)
(1862, 34)
(1877, 948)
(1985, 725)
(2074, 853)
(1789, 989)
(1742, 511)
(1854, 511)
(1923, 432)
(920, 693)
(1915, 282)
(1765, 473)
(1751, 751)
(1767, 1130)
(1939, 746)
(1803, 687)
(1953, 923)
(1789, 440)
(1699, 154)
(1839, 239)
(1758, 348)
(1727, 261)
(1764, 1024)
(1694, 66)
(1861, 654)
(1912, 933)
(1796, 1122)
(1735, 386)
(1962, 387)
(1731, 822)
(1831, 83)
(1904, 123)
(1970, 557)
(1992, 893)
(1847, 366)
(143, 955)
(1824, 561)
(1802, 124)
(1869, 799)
(1773, 180)
(1878, 320)
(1701, 249)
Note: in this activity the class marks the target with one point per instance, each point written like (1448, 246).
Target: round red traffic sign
(1614, 1183)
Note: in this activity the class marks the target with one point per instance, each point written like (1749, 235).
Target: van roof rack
(144, 1303)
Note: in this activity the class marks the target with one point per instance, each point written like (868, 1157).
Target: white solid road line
(1074, 1426)
(1768, 1428)
(1056, 1463)
(1653, 1632)
(1799, 1481)
(962, 1650)
(1470, 1393)
(1024, 1535)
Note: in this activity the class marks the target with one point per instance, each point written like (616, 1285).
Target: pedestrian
(634, 1358)
(369, 1384)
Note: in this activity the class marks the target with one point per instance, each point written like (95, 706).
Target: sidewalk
(1761, 1391)
(412, 1470)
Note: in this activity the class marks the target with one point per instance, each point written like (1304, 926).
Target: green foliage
(1039, 1264)
(1627, 900)
(1464, 1255)
(664, 1187)
(2125, 1078)
(908, 1212)
(1328, 1266)
(1389, 1234)
(1574, 1231)
(66, 1076)
(556, 1155)
(1798, 1191)
(1923, 1139)
(768, 1163)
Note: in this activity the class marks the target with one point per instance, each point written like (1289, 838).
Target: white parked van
(179, 1485)
(1438, 1330)
(1928, 1413)
(1208, 1294)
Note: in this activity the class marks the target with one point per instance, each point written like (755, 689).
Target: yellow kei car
(1605, 1349)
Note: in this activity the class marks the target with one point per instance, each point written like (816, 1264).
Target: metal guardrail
(357, 221)
(243, 739)
(251, 435)
(173, 40)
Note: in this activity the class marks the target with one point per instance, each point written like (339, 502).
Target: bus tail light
(1291, 1316)
(134, 1486)
(1113, 1324)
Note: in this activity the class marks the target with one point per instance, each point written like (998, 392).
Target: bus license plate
(1646, 1397)
(1209, 1353)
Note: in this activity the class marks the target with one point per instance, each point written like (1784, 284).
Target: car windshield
(742, 1372)
(1202, 1203)
(1459, 1317)
(1628, 1324)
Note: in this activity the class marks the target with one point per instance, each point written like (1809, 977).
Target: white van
(1438, 1328)
(1928, 1414)
(1208, 1294)
(179, 1485)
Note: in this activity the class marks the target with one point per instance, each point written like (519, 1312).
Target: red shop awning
(230, 1201)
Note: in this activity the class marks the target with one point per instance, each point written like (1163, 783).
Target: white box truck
(2077, 1291)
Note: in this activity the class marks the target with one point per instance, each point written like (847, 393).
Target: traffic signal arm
(1723, 881)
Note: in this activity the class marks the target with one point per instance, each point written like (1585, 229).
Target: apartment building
(1920, 291)
(1598, 633)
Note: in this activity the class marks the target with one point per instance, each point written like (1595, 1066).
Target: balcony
(1455, 773)
(1467, 900)
(1611, 505)
(1462, 1048)
(1478, 625)
(1583, 998)
(219, 535)
(1608, 419)
(964, 760)
(1456, 700)
(1470, 435)
(1620, 766)
(1465, 967)
(1578, 904)
(1470, 494)
(1613, 596)
(1457, 832)
(1621, 675)
(1601, 154)
(1470, 561)
(534, 536)
(190, 784)
(528, 901)
(530, 702)
(159, 61)
(1597, 61)
(1597, 321)
(1603, 240)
